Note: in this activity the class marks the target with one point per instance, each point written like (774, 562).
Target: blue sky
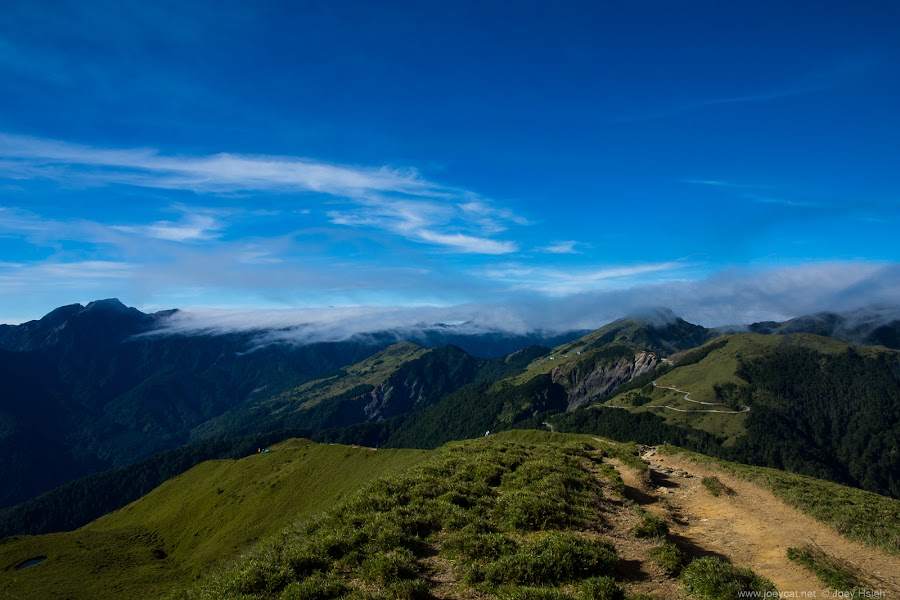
(735, 161)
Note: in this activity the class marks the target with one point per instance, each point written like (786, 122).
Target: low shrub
(479, 546)
(715, 486)
(649, 526)
(551, 558)
(530, 510)
(710, 578)
(600, 588)
(829, 570)
(390, 567)
(319, 586)
(669, 557)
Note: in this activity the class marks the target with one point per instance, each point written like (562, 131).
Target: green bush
(390, 567)
(669, 557)
(304, 561)
(262, 577)
(553, 557)
(530, 510)
(479, 546)
(710, 578)
(410, 589)
(640, 400)
(715, 486)
(650, 526)
(831, 572)
(600, 588)
(532, 593)
(319, 586)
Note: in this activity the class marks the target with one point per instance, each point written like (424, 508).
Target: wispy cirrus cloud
(761, 194)
(191, 228)
(726, 184)
(399, 201)
(442, 224)
(565, 247)
(17, 277)
(561, 282)
(811, 82)
(29, 157)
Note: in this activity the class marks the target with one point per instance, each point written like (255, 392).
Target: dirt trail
(752, 527)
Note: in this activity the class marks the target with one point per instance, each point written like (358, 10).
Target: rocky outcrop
(589, 380)
(392, 398)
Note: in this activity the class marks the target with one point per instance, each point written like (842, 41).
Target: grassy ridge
(370, 373)
(505, 515)
(193, 522)
(517, 515)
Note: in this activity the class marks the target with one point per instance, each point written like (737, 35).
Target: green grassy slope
(270, 412)
(517, 515)
(631, 332)
(800, 403)
(371, 372)
(720, 367)
(193, 522)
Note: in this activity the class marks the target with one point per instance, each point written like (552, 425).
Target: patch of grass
(390, 567)
(479, 546)
(600, 588)
(710, 578)
(860, 515)
(319, 586)
(502, 511)
(649, 526)
(186, 526)
(669, 557)
(640, 400)
(626, 452)
(612, 475)
(715, 486)
(552, 558)
(829, 570)
(533, 593)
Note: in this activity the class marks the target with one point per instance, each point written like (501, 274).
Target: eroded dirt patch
(753, 528)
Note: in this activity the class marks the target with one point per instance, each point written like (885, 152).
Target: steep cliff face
(414, 385)
(590, 378)
(394, 397)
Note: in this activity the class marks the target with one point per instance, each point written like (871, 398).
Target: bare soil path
(752, 527)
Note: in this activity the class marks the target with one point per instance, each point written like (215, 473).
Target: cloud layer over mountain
(727, 298)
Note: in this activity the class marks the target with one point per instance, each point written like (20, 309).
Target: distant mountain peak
(108, 304)
(655, 315)
(868, 325)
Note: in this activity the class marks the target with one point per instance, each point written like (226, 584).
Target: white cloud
(466, 243)
(566, 247)
(726, 184)
(430, 222)
(726, 298)
(562, 282)
(193, 228)
(18, 278)
(33, 157)
(395, 200)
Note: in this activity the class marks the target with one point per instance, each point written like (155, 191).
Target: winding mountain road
(687, 396)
